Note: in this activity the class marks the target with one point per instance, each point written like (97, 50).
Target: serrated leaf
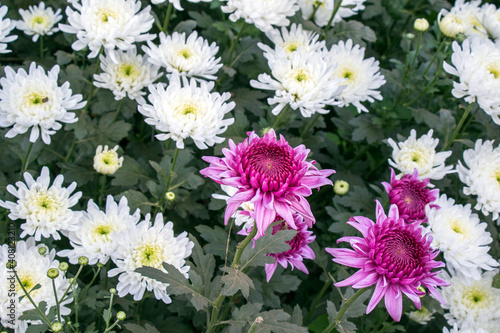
(204, 264)
(178, 284)
(216, 238)
(202, 19)
(331, 310)
(37, 328)
(364, 128)
(130, 173)
(357, 308)
(277, 321)
(186, 26)
(236, 280)
(269, 243)
(136, 200)
(139, 329)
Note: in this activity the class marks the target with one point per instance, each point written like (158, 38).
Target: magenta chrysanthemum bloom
(271, 174)
(299, 248)
(393, 255)
(411, 196)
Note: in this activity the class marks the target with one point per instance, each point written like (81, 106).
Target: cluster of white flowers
(39, 21)
(420, 154)
(45, 208)
(323, 10)
(481, 175)
(35, 100)
(108, 23)
(6, 26)
(262, 13)
(31, 268)
(307, 76)
(126, 74)
(461, 237)
(472, 304)
(477, 65)
(462, 18)
(184, 109)
(191, 57)
(147, 245)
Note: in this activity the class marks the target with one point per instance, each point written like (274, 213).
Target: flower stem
(41, 47)
(101, 189)
(108, 318)
(256, 322)
(91, 93)
(167, 17)
(26, 293)
(168, 180)
(118, 110)
(344, 308)
(235, 42)
(72, 283)
(58, 310)
(26, 159)
(317, 300)
(309, 125)
(280, 117)
(334, 12)
(459, 127)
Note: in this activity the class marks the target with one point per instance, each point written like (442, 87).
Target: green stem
(334, 12)
(256, 322)
(167, 17)
(91, 93)
(410, 69)
(118, 110)
(90, 284)
(168, 180)
(57, 301)
(235, 42)
(280, 117)
(459, 127)
(72, 283)
(109, 313)
(101, 189)
(344, 308)
(310, 124)
(26, 158)
(26, 293)
(440, 47)
(41, 47)
(317, 300)
(71, 150)
(112, 326)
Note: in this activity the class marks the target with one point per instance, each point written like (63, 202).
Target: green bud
(99, 264)
(112, 291)
(42, 250)
(265, 130)
(83, 260)
(170, 196)
(11, 264)
(121, 315)
(63, 266)
(57, 327)
(409, 36)
(53, 273)
(341, 187)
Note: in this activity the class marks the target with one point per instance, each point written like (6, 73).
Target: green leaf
(256, 256)
(130, 173)
(139, 329)
(204, 265)
(357, 308)
(277, 321)
(186, 26)
(216, 238)
(236, 280)
(331, 310)
(364, 128)
(37, 328)
(357, 31)
(202, 19)
(136, 200)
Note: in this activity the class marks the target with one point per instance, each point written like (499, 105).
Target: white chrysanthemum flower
(461, 237)
(481, 175)
(107, 161)
(303, 80)
(472, 304)
(191, 57)
(462, 18)
(361, 76)
(177, 3)
(32, 270)
(6, 26)
(126, 74)
(186, 110)
(291, 40)
(477, 65)
(45, 208)
(262, 13)
(108, 23)
(39, 21)
(491, 20)
(241, 216)
(420, 154)
(148, 245)
(95, 234)
(325, 8)
(35, 100)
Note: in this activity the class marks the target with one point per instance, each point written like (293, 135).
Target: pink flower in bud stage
(271, 174)
(394, 256)
(411, 196)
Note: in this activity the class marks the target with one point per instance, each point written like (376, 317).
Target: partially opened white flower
(262, 13)
(176, 3)
(32, 270)
(242, 215)
(491, 20)
(95, 234)
(6, 26)
(420, 154)
(35, 100)
(46, 208)
(39, 21)
(303, 80)
(362, 76)
(481, 175)
(192, 57)
(126, 74)
(186, 110)
(461, 237)
(107, 162)
(472, 304)
(463, 18)
(290, 40)
(477, 64)
(108, 23)
(148, 245)
(324, 10)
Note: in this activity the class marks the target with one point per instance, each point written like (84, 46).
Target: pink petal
(355, 278)
(270, 268)
(394, 302)
(378, 293)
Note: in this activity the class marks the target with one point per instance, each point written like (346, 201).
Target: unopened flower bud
(170, 196)
(451, 25)
(42, 250)
(265, 130)
(11, 264)
(57, 327)
(53, 273)
(107, 161)
(421, 24)
(409, 36)
(99, 264)
(341, 187)
(83, 260)
(63, 266)
(112, 291)
(121, 315)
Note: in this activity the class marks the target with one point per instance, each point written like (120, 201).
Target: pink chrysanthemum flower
(394, 256)
(411, 196)
(271, 174)
(299, 248)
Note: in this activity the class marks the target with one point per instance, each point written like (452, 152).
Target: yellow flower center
(129, 71)
(28, 282)
(190, 110)
(44, 206)
(103, 232)
(457, 227)
(38, 20)
(104, 14)
(291, 47)
(346, 73)
(109, 157)
(494, 69)
(186, 53)
(149, 255)
(476, 298)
